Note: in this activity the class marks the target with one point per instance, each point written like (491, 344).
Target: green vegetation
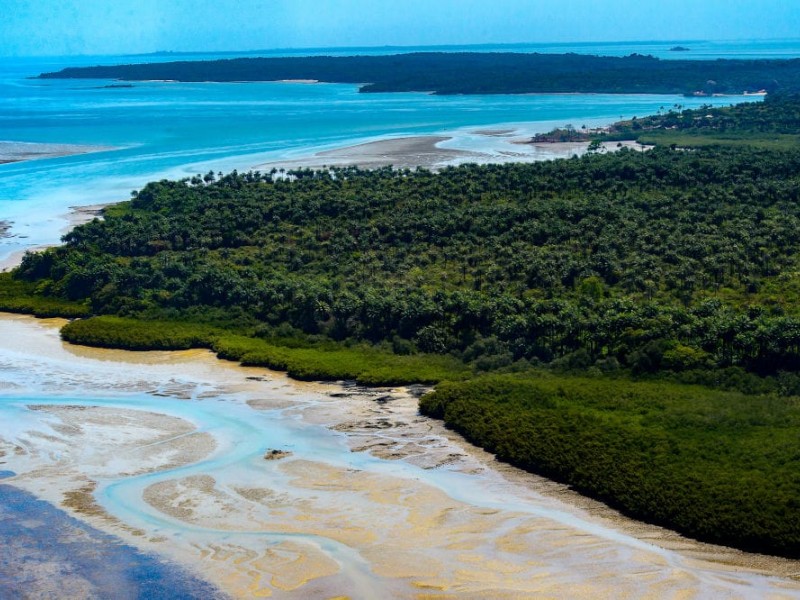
(688, 140)
(18, 296)
(675, 266)
(305, 361)
(478, 73)
(719, 466)
(665, 260)
(773, 125)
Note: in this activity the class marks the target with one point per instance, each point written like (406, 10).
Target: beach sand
(370, 500)
(401, 153)
(552, 150)
(492, 146)
(11, 152)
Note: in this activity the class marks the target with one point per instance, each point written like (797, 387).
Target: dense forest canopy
(671, 258)
(478, 73)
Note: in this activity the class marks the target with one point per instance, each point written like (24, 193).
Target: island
(679, 49)
(476, 73)
(627, 323)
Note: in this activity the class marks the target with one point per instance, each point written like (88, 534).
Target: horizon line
(399, 47)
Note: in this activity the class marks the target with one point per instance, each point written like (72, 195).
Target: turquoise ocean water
(163, 129)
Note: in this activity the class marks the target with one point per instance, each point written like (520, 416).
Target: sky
(67, 27)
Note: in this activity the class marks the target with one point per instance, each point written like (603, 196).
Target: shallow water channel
(262, 487)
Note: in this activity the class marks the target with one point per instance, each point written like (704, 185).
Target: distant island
(679, 49)
(476, 73)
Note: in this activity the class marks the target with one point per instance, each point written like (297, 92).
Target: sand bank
(401, 153)
(552, 150)
(78, 215)
(20, 151)
(166, 450)
(483, 146)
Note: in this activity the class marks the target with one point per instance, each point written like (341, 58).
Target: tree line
(665, 260)
(477, 73)
(499, 282)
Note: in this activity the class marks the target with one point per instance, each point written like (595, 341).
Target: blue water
(698, 50)
(48, 554)
(174, 130)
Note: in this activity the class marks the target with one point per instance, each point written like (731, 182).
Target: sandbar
(11, 152)
(401, 153)
(489, 146)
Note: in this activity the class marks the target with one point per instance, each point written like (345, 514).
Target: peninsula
(476, 73)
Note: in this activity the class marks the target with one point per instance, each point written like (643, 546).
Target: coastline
(373, 496)
(493, 145)
(402, 153)
(498, 144)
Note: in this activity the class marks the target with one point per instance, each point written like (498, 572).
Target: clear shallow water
(177, 130)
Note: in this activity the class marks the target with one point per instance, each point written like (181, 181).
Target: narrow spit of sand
(401, 153)
(11, 152)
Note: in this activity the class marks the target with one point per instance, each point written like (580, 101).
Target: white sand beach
(401, 153)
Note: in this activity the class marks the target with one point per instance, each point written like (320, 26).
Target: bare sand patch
(394, 430)
(553, 150)
(20, 151)
(495, 132)
(502, 146)
(401, 153)
(78, 215)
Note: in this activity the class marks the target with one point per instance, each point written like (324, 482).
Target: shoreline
(77, 215)
(497, 145)
(401, 152)
(430, 485)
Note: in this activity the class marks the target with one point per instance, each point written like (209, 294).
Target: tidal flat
(21, 151)
(166, 453)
